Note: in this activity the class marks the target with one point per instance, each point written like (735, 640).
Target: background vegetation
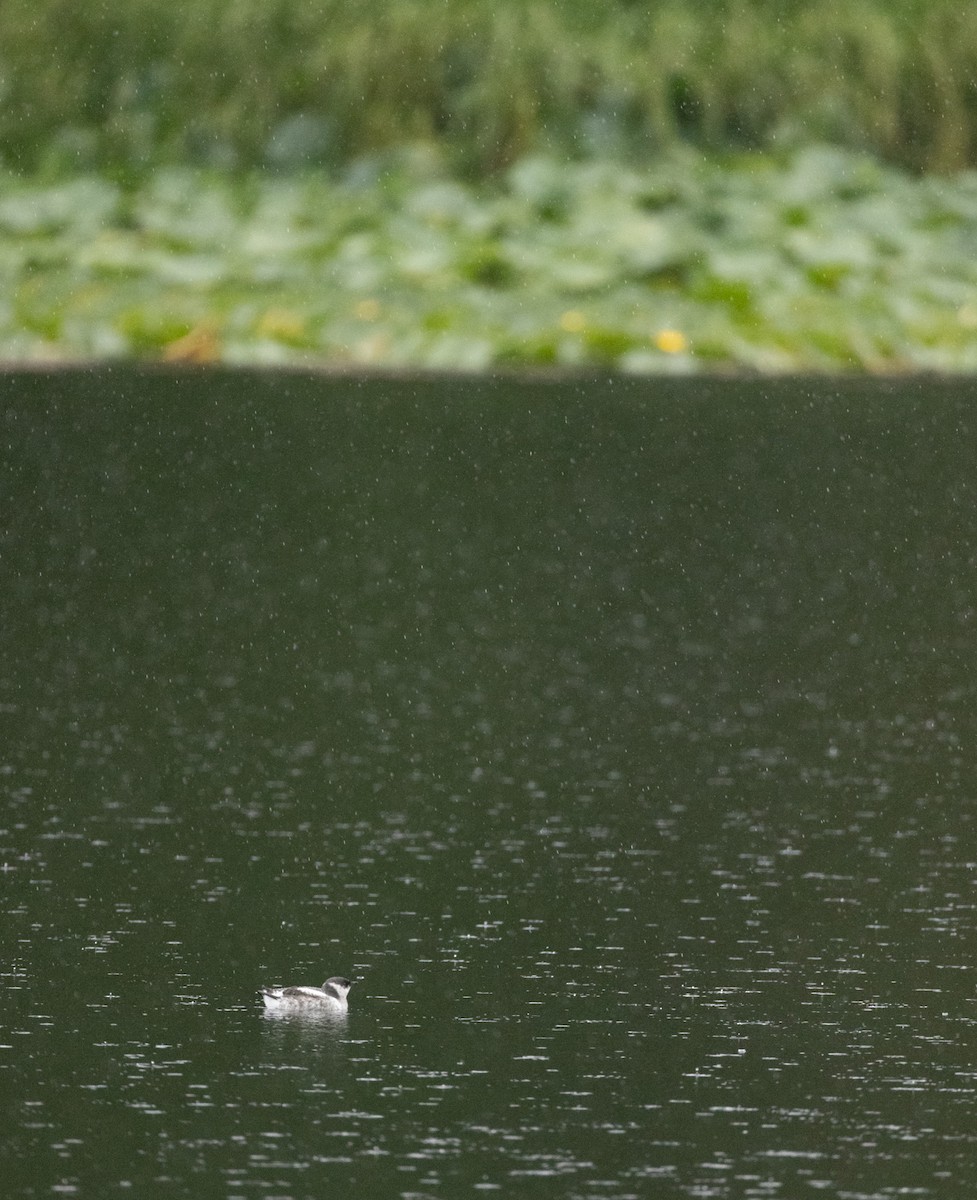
(285, 82)
(666, 185)
(825, 260)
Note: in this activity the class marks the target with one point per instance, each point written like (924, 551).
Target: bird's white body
(331, 997)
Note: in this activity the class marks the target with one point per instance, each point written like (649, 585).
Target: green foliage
(295, 82)
(821, 259)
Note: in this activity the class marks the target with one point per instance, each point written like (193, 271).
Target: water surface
(616, 736)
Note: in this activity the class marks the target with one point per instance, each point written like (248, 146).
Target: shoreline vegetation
(290, 83)
(763, 185)
(823, 260)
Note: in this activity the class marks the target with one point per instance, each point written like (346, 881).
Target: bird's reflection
(306, 1019)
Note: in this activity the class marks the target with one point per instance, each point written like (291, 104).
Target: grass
(820, 259)
(290, 83)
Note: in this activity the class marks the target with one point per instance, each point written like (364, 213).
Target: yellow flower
(573, 321)
(671, 341)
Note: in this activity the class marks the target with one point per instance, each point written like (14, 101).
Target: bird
(331, 997)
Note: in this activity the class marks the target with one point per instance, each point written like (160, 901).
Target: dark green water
(618, 737)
